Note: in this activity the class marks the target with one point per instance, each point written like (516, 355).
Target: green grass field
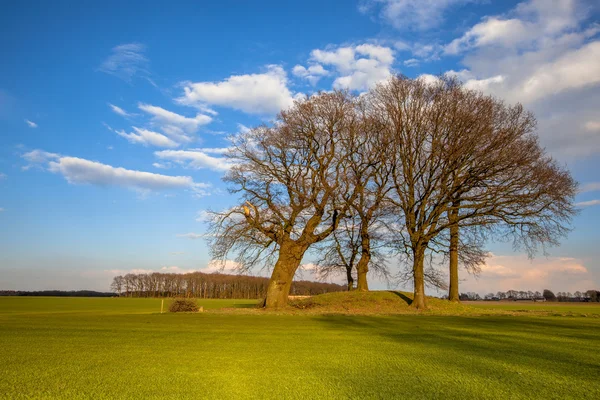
(74, 348)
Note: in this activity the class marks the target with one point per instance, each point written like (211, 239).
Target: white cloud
(177, 126)
(543, 54)
(215, 150)
(590, 187)
(119, 110)
(81, 171)
(126, 61)
(312, 73)
(356, 67)
(38, 157)
(146, 137)
(2, 176)
(411, 62)
(31, 124)
(588, 203)
(412, 14)
(196, 159)
(192, 235)
(243, 128)
(264, 93)
(203, 216)
(161, 165)
(576, 69)
(517, 272)
(492, 31)
(533, 22)
(1, 209)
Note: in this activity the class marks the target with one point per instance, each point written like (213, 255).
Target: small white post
(162, 303)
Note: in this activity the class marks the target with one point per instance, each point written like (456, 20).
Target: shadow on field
(490, 348)
(403, 297)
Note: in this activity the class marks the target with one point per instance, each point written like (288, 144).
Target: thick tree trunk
(419, 278)
(362, 268)
(365, 258)
(280, 283)
(350, 278)
(453, 294)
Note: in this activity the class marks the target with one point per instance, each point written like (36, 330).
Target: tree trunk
(362, 268)
(350, 278)
(280, 283)
(453, 294)
(365, 258)
(419, 277)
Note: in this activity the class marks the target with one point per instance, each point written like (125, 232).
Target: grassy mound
(375, 302)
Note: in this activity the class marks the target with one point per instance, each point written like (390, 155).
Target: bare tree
(368, 172)
(465, 159)
(342, 251)
(289, 176)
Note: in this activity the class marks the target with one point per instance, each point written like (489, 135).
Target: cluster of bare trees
(413, 171)
(207, 286)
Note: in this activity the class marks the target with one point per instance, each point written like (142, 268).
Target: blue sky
(113, 116)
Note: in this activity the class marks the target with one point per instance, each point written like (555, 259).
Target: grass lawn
(63, 348)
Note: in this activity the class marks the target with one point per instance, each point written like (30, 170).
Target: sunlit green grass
(124, 348)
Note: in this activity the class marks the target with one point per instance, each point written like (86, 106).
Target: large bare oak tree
(290, 177)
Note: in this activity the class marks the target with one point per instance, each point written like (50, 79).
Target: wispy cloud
(2, 176)
(191, 235)
(81, 171)
(126, 61)
(31, 123)
(161, 165)
(411, 14)
(196, 159)
(118, 110)
(590, 187)
(146, 137)
(1, 209)
(38, 158)
(178, 127)
(588, 203)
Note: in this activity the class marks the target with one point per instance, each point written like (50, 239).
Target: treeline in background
(208, 286)
(547, 295)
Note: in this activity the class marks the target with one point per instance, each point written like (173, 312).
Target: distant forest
(209, 286)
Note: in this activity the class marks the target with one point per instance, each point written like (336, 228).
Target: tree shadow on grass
(404, 297)
(487, 342)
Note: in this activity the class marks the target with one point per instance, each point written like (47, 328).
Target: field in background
(101, 306)
(123, 348)
(556, 307)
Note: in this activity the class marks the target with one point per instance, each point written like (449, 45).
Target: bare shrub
(183, 305)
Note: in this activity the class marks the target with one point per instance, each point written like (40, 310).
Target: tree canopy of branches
(443, 167)
(462, 158)
(290, 176)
